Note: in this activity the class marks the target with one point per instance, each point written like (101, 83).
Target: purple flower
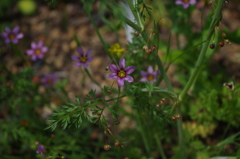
(41, 149)
(121, 73)
(83, 59)
(12, 35)
(37, 50)
(49, 80)
(150, 75)
(185, 3)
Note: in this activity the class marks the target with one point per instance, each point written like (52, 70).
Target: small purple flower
(83, 59)
(121, 73)
(37, 50)
(49, 80)
(12, 35)
(185, 3)
(150, 75)
(41, 149)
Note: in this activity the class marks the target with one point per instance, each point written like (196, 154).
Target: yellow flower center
(50, 81)
(150, 77)
(121, 73)
(83, 59)
(37, 51)
(11, 36)
(185, 1)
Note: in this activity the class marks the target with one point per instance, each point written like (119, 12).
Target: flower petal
(129, 69)
(185, 5)
(7, 41)
(129, 78)
(150, 69)
(4, 35)
(16, 29)
(122, 63)
(34, 57)
(15, 41)
(40, 56)
(89, 59)
(192, 2)
(74, 57)
(113, 76)
(144, 79)
(80, 51)
(143, 73)
(120, 82)
(8, 30)
(44, 49)
(113, 68)
(33, 45)
(85, 65)
(88, 52)
(30, 52)
(40, 44)
(20, 36)
(178, 2)
(78, 64)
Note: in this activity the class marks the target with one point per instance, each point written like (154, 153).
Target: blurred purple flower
(83, 59)
(150, 75)
(37, 50)
(185, 3)
(49, 80)
(121, 73)
(12, 35)
(41, 149)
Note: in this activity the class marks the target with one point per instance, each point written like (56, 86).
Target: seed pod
(145, 47)
(220, 43)
(117, 144)
(148, 51)
(223, 35)
(212, 46)
(153, 48)
(227, 41)
(173, 118)
(226, 2)
(106, 147)
(52, 136)
(109, 91)
(178, 116)
(136, 33)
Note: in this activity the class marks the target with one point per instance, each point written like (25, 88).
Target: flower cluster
(185, 3)
(12, 35)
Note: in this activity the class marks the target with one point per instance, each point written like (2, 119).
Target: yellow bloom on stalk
(116, 49)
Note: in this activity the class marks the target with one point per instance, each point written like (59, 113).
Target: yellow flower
(116, 49)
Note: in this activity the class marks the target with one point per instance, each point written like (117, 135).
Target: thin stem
(142, 131)
(160, 148)
(215, 21)
(89, 75)
(99, 35)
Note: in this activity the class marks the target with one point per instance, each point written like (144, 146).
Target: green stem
(142, 131)
(194, 75)
(215, 20)
(99, 36)
(17, 51)
(160, 148)
(89, 75)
